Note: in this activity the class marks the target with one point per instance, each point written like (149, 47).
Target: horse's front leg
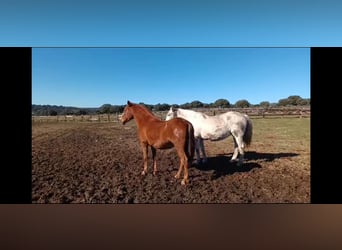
(144, 147)
(179, 170)
(154, 160)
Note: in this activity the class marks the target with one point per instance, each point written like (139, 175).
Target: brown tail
(191, 143)
(247, 137)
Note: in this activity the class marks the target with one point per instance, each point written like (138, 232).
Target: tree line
(53, 110)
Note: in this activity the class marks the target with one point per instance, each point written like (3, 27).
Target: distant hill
(61, 110)
(44, 110)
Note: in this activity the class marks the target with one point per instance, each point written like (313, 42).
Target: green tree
(196, 104)
(242, 104)
(161, 107)
(283, 102)
(305, 102)
(53, 112)
(81, 112)
(117, 109)
(185, 106)
(221, 103)
(293, 100)
(265, 104)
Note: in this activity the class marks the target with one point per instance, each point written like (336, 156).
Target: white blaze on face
(121, 117)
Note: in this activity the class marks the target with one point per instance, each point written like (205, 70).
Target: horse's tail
(190, 142)
(247, 137)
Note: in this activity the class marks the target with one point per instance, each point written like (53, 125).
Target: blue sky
(170, 23)
(90, 77)
(69, 77)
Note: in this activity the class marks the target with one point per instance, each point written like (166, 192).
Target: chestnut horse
(158, 134)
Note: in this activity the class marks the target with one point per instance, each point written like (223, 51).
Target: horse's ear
(129, 103)
(172, 109)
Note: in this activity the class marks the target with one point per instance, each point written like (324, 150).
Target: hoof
(154, 172)
(184, 182)
(177, 176)
(143, 173)
(203, 161)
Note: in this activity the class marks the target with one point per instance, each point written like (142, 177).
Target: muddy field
(102, 162)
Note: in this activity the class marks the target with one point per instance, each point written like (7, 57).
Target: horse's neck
(142, 116)
(188, 114)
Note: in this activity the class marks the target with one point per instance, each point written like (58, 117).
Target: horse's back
(234, 117)
(221, 126)
(178, 121)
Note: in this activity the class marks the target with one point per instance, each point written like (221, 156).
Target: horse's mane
(193, 112)
(144, 109)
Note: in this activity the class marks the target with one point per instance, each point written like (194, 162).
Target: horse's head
(127, 114)
(172, 113)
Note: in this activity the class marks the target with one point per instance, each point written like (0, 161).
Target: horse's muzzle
(123, 121)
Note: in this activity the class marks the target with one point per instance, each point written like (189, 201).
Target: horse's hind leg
(239, 145)
(201, 145)
(154, 160)
(179, 169)
(236, 150)
(182, 166)
(197, 149)
(186, 174)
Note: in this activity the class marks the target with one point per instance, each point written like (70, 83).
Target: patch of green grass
(276, 135)
(283, 133)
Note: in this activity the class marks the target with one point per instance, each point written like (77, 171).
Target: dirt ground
(102, 163)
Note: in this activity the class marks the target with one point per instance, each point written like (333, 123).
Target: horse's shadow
(222, 166)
